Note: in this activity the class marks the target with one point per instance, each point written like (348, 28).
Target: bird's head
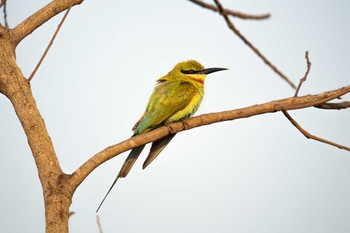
(192, 70)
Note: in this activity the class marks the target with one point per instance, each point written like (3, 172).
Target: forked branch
(39, 18)
(231, 12)
(310, 136)
(295, 123)
(250, 45)
(50, 44)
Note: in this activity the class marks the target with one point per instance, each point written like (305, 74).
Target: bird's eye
(188, 71)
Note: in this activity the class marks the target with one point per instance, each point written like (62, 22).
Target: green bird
(176, 96)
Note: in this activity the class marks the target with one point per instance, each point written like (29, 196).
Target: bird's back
(171, 101)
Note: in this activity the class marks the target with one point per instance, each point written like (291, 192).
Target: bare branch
(3, 4)
(71, 213)
(50, 44)
(328, 106)
(279, 105)
(310, 136)
(26, 27)
(99, 224)
(231, 12)
(334, 106)
(303, 79)
(247, 42)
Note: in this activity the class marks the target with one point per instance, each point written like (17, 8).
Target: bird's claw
(170, 129)
(184, 124)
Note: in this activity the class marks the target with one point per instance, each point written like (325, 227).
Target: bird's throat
(198, 78)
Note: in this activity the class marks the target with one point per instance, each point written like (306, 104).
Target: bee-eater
(176, 96)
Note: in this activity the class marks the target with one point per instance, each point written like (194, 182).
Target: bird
(176, 97)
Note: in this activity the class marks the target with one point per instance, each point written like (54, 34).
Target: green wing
(167, 99)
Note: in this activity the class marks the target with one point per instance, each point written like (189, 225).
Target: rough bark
(17, 89)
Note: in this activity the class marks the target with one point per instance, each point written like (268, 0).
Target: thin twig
(327, 106)
(33, 22)
(71, 213)
(231, 12)
(247, 42)
(99, 224)
(3, 3)
(51, 42)
(310, 136)
(303, 79)
(334, 106)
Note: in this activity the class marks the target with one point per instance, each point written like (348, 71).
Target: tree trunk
(57, 209)
(57, 192)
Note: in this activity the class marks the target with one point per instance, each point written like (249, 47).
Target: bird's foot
(170, 129)
(184, 124)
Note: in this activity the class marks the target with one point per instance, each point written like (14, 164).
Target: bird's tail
(129, 162)
(156, 148)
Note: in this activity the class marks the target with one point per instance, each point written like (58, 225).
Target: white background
(251, 175)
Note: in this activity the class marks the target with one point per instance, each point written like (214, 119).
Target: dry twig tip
(303, 79)
(310, 136)
(250, 45)
(50, 44)
(231, 12)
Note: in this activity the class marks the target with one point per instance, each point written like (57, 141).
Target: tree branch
(332, 106)
(295, 123)
(50, 43)
(99, 225)
(310, 136)
(3, 4)
(303, 79)
(26, 27)
(278, 105)
(247, 42)
(231, 12)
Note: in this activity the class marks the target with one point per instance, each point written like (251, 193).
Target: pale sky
(252, 175)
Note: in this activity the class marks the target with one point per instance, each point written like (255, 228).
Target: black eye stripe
(189, 71)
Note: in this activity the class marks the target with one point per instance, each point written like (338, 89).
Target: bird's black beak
(210, 70)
